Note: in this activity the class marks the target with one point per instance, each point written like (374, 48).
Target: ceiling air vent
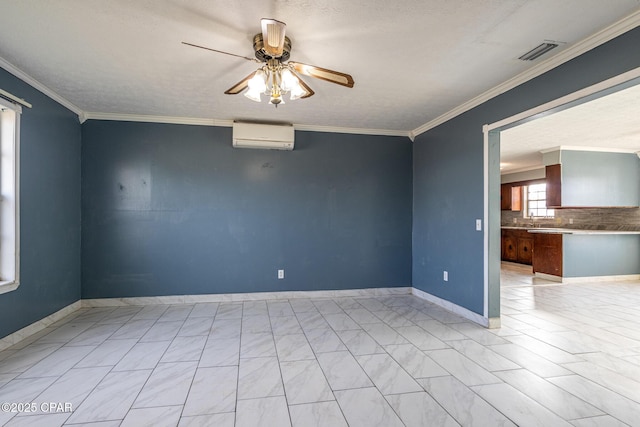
(538, 51)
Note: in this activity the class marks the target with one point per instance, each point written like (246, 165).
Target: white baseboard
(550, 277)
(589, 279)
(493, 322)
(36, 327)
(254, 296)
(598, 279)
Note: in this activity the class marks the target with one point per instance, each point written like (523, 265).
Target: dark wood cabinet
(509, 247)
(554, 185)
(517, 246)
(525, 250)
(547, 254)
(505, 197)
(510, 197)
(542, 250)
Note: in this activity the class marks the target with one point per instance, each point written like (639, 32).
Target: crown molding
(595, 149)
(39, 86)
(522, 169)
(156, 119)
(608, 33)
(359, 131)
(229, 123)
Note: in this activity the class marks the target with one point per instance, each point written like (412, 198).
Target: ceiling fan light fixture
(297, 92)
(288, 80)
(256, 85)
(276, 99)
(258, 82)
(253, 95)
(278, 76)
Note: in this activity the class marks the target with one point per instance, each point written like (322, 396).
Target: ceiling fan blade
(221, 51)
(273, 36)
(323, 74)
(240, 86)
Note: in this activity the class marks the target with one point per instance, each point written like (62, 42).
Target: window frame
(9, 195)
(549, 213)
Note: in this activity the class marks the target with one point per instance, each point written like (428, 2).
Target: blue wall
(49, 210)
(174, 209)
(600, 179)
(448, 173)
(600, 255)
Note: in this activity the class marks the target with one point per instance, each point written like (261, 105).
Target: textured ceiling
(610, 122)
(412, 60)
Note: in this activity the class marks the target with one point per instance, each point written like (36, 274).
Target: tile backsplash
(623, 219)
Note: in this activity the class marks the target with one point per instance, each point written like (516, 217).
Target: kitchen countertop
(551, 230)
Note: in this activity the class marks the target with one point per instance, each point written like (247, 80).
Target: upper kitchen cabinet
(510, 197)
(593, 179)
(554, 185)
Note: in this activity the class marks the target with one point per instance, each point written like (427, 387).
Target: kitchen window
(9, 193)
(536, 201)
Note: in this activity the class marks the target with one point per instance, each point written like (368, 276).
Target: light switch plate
(478, 225)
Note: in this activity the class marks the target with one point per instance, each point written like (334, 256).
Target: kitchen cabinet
(525, 250)
(509, 247)
(554, 185)
(547, 253)
(517, 246)
(510, 197)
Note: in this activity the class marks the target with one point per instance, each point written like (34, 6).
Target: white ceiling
(611, 122)
(412, 60)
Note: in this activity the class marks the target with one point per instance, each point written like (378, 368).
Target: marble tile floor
(566, 355)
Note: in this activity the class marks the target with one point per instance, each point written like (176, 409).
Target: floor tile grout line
(197, 366)
(235, 404)
(284, 389)
(160, 361)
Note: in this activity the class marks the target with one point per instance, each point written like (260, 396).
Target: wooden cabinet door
(510, 197)
(509, 248)
(525, 250)
(547, 254)
(516, 198)
(505, 197)
(554, 185)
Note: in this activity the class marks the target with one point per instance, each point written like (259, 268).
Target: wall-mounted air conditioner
(266, 137)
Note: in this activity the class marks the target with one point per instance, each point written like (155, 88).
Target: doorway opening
(493, 133)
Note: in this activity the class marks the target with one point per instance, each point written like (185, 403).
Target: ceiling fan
(278, 76)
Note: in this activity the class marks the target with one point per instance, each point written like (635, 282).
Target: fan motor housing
(258, 46)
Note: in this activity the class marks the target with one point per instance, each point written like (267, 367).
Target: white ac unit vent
(265, 137)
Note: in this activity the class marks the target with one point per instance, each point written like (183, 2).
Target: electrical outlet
(570, 220)
(280, 274)
(445, 276)
(515, 220)
(478, 225)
